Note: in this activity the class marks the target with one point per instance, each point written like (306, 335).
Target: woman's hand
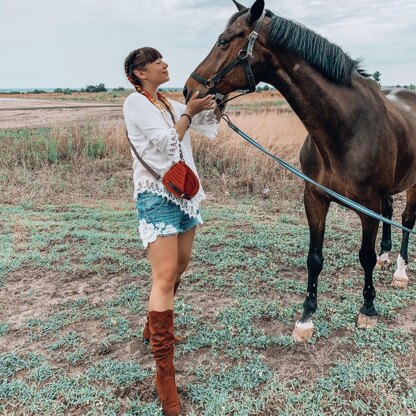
(196, 105)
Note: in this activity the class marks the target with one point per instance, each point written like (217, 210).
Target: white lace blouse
(157, 142)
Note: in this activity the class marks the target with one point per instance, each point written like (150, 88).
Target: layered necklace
(165, 108)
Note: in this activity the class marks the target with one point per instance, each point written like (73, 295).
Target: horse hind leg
(383, 261)
(400, 278)
(316, 208)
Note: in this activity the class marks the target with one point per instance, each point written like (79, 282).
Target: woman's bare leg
(185, 242)
(163, 257)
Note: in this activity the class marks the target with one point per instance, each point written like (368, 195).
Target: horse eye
(222, 42)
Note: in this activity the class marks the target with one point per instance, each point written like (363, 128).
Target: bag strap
(154, 174)
(170, 112)
(140, 159)
(174, 121)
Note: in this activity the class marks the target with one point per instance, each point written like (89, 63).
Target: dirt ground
(32, 296)
(51, 110)
(31, 112)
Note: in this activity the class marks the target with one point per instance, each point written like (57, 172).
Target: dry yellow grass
(272, 129)
(227, 165)
(231, 166)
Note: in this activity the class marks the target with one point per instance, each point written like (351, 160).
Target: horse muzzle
(219, 97)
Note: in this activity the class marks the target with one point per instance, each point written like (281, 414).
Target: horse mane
(323, 55)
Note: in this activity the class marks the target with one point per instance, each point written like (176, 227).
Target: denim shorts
(158, 216)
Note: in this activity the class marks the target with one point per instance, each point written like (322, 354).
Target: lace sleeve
(168, 144)
(205, 123)
(140, 114)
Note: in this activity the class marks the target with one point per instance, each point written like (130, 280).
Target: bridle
(242, 58)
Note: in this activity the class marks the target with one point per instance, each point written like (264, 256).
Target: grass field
(75, 281)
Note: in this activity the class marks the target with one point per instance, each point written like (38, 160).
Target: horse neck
(324, 107)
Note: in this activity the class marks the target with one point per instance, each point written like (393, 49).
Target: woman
(158, 131)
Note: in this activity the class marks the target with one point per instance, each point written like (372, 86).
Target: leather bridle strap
(242, 58)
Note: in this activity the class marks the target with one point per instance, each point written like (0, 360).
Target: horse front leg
(383, 261)
(316, 207)
(368, 259)
(400, 278)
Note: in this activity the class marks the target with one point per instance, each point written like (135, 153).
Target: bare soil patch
(33, 293)
(33, 113)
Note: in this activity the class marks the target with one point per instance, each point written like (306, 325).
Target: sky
(74, 43)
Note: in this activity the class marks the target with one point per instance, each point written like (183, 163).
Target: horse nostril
(185, 92)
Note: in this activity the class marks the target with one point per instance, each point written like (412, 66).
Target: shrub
(95, 88)
(36, 91)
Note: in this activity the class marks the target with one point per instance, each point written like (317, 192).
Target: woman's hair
(138, 59)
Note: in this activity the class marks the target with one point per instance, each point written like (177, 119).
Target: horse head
(238, 59)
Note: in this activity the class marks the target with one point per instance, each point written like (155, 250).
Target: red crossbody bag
(180, 179)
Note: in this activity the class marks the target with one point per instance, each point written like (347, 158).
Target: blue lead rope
(336, 195)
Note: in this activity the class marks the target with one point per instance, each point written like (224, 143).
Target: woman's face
(155, 73)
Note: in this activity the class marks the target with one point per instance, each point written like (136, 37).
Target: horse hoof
(400, 278)
(383, 261)
(366, 322)
(400, 282)
(303, 331)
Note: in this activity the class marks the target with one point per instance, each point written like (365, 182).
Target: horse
(361, 141)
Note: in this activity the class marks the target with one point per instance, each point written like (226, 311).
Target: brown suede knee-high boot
(162, 345)
(146, 332)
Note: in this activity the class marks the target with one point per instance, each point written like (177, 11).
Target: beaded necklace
(166, 109)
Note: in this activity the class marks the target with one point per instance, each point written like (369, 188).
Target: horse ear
(256, 11)
(240, 7)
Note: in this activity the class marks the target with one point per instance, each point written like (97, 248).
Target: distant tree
(377, 77)
(68, 91)
(119, 89)
(411, 87)
(95, 88)
(58, 90)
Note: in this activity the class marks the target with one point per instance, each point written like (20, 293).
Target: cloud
(73, 43)
(382, 32)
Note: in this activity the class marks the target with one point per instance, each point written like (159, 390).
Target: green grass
(237, 306)
(34, 148)
(96, 239)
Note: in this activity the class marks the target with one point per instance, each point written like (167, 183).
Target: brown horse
(361, 142)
